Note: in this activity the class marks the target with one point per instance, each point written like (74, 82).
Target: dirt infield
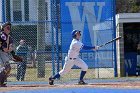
(124, 85)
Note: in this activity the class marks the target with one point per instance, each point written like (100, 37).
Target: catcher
(5, 49)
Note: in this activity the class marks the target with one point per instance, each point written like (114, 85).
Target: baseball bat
(117, 38)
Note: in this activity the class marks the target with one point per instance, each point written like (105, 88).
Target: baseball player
(5, 49)
(73, 58)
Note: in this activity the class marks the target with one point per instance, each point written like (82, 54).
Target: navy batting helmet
(73, 33)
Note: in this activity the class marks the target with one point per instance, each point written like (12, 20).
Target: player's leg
(4, 73)
(80, 63)
(6, 65)
(66, 68)
(2, 79)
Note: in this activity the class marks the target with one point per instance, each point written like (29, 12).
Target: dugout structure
(127, 48)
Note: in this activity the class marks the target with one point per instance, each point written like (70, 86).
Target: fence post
(41, 38)
(3, 10)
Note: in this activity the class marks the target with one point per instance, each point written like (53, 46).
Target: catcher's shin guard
(3, 77)
(7, 69)
(4, 74)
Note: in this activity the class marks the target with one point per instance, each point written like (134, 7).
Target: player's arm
(7, 50)
(85, 47)
(7, 46)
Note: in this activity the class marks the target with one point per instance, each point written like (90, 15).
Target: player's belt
(72, 58)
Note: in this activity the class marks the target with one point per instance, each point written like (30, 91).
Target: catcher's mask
(73, 33)
(4, 25)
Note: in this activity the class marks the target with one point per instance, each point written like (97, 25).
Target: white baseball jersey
(74, 49)
(73, 58)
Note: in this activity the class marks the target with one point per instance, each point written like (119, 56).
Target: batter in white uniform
(73, 58)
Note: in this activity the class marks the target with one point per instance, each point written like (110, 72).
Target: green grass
(74, 74)
(31, 74)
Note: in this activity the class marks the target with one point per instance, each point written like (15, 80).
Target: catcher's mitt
(15, 57)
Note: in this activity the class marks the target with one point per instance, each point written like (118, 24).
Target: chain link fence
(38, 23)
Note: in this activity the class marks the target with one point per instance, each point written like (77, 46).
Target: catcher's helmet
(4, 25)
(73, 33)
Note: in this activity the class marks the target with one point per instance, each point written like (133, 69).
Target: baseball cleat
(51, 81)
(81, 82)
